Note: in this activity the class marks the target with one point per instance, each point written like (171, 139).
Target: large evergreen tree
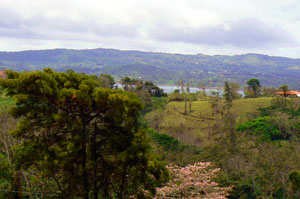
(83, 138)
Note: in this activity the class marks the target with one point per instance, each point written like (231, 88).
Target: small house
(3, 74)
(291, 92)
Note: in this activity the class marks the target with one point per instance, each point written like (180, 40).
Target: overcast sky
(178, 26)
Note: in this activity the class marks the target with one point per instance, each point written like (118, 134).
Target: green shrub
(165, 141)
(261, 126)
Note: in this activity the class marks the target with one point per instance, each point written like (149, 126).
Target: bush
(261, 126)
(165, 141)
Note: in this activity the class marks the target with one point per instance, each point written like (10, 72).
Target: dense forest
(75, 135)
(161, 68)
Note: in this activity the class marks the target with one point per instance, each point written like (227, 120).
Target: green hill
(162, 68)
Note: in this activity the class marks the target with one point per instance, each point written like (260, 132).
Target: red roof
(3, 74)
(291, 92)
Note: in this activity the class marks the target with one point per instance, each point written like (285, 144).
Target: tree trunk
(84, 162)
(94, 156)
(122, 186)
(16, 187)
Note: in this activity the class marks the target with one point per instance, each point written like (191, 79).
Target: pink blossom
(193, 181)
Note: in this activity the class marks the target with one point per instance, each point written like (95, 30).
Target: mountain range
(162, 68)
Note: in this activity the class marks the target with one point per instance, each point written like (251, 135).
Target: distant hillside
(162, 68)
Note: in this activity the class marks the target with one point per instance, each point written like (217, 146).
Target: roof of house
(291, 92)
(3, 74)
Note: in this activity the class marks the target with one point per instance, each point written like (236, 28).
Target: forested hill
(162, 68)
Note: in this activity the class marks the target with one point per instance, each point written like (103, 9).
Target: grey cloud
(21, 34)
(245, 33)
(39, 27)
(9, 18)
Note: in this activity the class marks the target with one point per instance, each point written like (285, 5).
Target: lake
(209, 91)
(171, 89)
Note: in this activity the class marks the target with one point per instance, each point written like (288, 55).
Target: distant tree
(228, 119)
(201, 86)
(181, 84)
(137, 86)
(254, 87)
(217, 110)
(177, 91)
(269, 92)
(228, 96)
(126, 81)
(188, 98)
(153, 90)
(235, 90)
(284, 89)
(82, 138)
(106, 81)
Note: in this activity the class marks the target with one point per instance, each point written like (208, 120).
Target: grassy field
(197, 126)
(6, 102)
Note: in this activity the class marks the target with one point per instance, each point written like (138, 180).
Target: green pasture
(196, 127)
(6, 102)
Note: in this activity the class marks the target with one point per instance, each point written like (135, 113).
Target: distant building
(291, 92)
(3, 74)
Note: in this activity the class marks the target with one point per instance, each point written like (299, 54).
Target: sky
(210, 27)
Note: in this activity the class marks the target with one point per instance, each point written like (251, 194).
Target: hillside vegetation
(70, 129)
(162, 68)
(255, 143)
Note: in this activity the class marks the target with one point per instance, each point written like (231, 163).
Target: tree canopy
(284, 88)
(83, 138)
(106, 81)
(254, 87)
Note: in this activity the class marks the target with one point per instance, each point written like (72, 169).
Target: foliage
(268, 92)
(136, 85)
(6, 102)
(253, 88)
(294, 178)
(262, 126)
(235, 90)
(176, 96)
(7, 155)
(161, 68)
(257, 167)
(165, 141)
(192, 181)
(284, 89)
(5, 176)
(228, 95)
(83, 138)
(106, 81)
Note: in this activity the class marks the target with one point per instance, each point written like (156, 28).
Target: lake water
(171, 89)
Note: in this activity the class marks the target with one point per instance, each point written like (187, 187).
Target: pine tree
(84, 138)
(228, 96)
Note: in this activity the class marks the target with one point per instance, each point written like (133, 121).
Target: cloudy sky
(178, 26)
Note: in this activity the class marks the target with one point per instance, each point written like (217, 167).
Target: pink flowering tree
(192, 181)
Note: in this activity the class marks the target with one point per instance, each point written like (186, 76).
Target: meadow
(196, 127)
(5, 102)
